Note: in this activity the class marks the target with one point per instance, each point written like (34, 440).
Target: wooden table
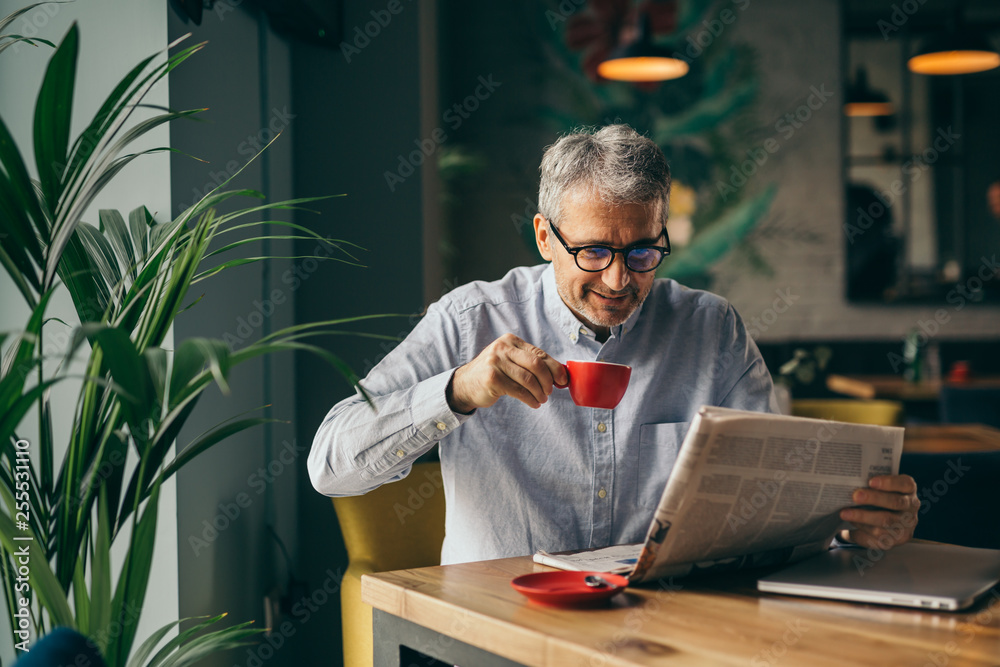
(894, 387)
(945, 438)
(469, 615)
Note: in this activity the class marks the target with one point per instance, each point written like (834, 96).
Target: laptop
(915, 574)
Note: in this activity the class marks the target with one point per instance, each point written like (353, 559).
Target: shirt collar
(565, 320)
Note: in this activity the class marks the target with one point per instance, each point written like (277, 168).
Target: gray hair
(615, 163)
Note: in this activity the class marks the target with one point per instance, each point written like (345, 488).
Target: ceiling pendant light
(640, 60)
(961, 50)
(861, 100)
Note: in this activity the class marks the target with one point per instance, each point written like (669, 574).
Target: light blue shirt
(556, 478)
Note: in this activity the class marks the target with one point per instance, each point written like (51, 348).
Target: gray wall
(354, 121)
(228, 557)
(505, 131)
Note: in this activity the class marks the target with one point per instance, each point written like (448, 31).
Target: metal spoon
(595, 581)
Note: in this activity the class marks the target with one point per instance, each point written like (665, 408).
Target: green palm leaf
(139, 659)
(705, 114)
(199, 647)
(134, 580)
(52, 116)
(718, 239)
(100, 573)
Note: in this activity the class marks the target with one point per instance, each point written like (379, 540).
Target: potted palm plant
(128, 276)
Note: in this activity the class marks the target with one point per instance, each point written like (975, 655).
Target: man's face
(605, 299)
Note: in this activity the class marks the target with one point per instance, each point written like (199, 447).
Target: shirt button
(602, 493)
(602, 428)
(441, 426)
(583, 332)
(572, 337)
(400, 453)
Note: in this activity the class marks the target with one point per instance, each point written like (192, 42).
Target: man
(523, 467)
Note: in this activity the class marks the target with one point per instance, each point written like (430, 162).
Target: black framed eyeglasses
(596, 258)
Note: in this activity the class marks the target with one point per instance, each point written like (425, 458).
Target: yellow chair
(397, 526)
(881, 413)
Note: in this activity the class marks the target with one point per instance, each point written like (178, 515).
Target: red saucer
(567, 588)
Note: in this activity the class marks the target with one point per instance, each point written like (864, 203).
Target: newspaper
(620, 559)
(750, 489)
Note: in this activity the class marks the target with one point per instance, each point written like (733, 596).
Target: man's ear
(542, 237)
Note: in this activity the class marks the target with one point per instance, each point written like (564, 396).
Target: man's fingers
(864, 538)
(893, 483)
(877, 537)
(511, 367)
(555, 369)
(898, 502)
(878, 518)
(879, 528)
(543, 367)
(504, 384)
(524, 378)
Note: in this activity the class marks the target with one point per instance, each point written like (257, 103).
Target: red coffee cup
(596, 384)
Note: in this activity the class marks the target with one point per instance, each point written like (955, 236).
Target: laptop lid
(922, 575)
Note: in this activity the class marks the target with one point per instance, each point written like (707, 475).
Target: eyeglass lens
(637, 259)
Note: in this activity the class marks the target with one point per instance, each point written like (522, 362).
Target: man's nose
(617, 276)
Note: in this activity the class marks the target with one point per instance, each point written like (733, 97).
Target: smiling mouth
(613, 299)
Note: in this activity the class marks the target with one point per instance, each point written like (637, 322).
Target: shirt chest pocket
(658, 447)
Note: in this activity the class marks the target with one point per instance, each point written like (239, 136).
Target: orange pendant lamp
(640, 60)
(961, 50)
(861, 100)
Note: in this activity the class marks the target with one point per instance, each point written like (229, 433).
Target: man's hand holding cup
(507, 367)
